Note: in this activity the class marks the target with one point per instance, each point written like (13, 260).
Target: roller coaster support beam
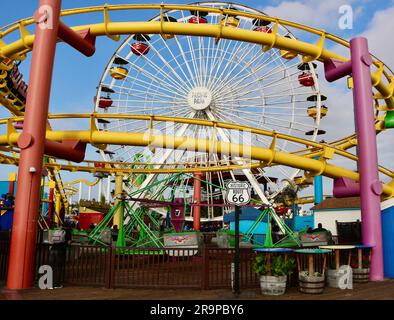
(72, 150)
(24, 231)
(197, 200)
(370, 186)
(118, 192)
(82, 41)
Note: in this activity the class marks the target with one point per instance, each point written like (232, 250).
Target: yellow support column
(58, 207)
(118, 192)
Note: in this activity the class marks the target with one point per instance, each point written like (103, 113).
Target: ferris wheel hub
(199, 98)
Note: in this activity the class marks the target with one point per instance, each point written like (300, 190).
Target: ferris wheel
(225, 81)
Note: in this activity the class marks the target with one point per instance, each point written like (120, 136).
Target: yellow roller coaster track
(382, 84)
(382, 78)
(302, 159)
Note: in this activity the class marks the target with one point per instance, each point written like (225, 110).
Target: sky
(76, 77)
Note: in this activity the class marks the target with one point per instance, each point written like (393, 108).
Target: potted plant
(361, 270)
(311, 282)
(273, 273)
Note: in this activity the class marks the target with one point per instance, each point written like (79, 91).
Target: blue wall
(4, 187)
(388, 241)
(244, 226)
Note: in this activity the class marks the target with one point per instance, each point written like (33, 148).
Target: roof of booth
(338, 203)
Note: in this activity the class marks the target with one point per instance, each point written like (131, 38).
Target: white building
(337, 209)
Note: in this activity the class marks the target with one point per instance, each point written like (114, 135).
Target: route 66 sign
(238, 192)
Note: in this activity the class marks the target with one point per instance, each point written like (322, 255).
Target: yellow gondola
(230, 22)
(118, 73)
(288, 55)
(169, 19)
(312, 112)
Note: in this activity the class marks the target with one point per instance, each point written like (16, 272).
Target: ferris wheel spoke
(155, 78)
(155, 92)
(253, 121)
(187, 64)
(160, 70)
(142, 83)
(219, 70)
(193, 74)
(165, 63)
(140, 97)
(194, 60)
(189, 78)
(207, 65)
(237, 79)
(241, 80)
(230, 76)
(217, 48)
(236, 49)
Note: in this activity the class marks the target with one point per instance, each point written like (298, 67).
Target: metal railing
(115, 267)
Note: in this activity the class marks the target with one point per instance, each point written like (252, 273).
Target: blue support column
(318, 185)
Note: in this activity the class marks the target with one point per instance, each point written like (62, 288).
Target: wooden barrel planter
(339, 258)
(361, 275)
(270, 283)
(312, 265)
(273, 286)
(311, 284)
(361, 260)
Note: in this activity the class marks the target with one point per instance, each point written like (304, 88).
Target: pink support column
(197, 199)
(370, 186)
(31, 142)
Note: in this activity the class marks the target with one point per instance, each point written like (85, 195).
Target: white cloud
(320, 14)
(380, 34)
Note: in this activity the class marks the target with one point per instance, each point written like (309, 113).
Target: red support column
(197, 200)
(31, 142)
(11, 180)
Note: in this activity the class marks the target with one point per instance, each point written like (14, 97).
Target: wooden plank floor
(368, 291)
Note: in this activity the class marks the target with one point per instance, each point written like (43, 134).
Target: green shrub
(279, 267)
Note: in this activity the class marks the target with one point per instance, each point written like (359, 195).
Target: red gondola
(105, 102)
(198, 20)
(306, 79)
(100, 165)
(18, 125)
(140, 48)
(263, 29)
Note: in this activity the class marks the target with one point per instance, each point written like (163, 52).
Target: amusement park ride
(199, 95)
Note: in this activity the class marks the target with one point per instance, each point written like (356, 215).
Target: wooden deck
(368, 291)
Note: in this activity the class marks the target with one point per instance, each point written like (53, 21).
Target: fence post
(205, 269)
(110, 268)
